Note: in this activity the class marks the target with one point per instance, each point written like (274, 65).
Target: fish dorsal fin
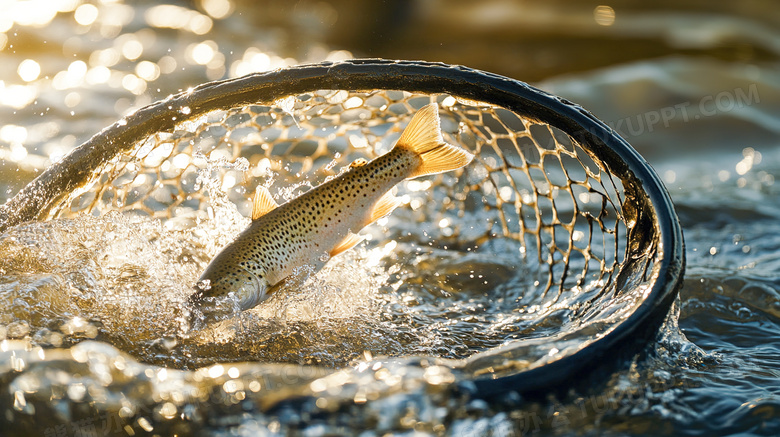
(423, 133)
(263, 204)
(384, 206)
(347, 243)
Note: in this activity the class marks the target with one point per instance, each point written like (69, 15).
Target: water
(80, 328)
(68, 280)
(71, 290)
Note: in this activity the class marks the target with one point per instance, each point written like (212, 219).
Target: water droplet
(169, 342)
(19, 401)
(77, 391)
(168, 410)
(144, 423)
(216, 371)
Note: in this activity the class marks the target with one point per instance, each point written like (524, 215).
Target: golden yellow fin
(348, 243)
(443, 158)
(423, 133)
(263, 203)
(384, 206)
(423, 137)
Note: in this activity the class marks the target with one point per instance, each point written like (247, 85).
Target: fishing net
(588, 220)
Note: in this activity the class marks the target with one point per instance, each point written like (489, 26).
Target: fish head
(221, 294)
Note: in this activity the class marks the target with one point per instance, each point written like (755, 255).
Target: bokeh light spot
(167, 64)
(12, 133)
(178, 17)
(29, 70)
(134, 84)
(106, 58)
(132, 49)
(217, 8)
(17, 96)
(604, 15)
(99, 74)
(86, 14)
(202, 53)
(72, 99)
(148, 71)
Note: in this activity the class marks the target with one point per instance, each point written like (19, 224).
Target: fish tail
(423, 137)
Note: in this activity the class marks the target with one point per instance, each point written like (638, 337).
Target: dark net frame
(588, 210)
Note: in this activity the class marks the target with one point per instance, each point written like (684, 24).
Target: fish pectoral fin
(360, 162)
(347, 243)
(384, 206)
(276, 287)
(263, 203)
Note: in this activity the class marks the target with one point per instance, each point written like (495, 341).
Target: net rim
(36, 200)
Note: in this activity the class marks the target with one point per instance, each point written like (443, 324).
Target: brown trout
(321, 223)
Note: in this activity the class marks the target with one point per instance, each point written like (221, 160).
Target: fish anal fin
(384, 206)
(347, 243)
(422, 137)
(263, 203)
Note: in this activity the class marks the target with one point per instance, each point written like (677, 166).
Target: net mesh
(529, 182)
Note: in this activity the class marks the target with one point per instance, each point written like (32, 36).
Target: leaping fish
(321, 223)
